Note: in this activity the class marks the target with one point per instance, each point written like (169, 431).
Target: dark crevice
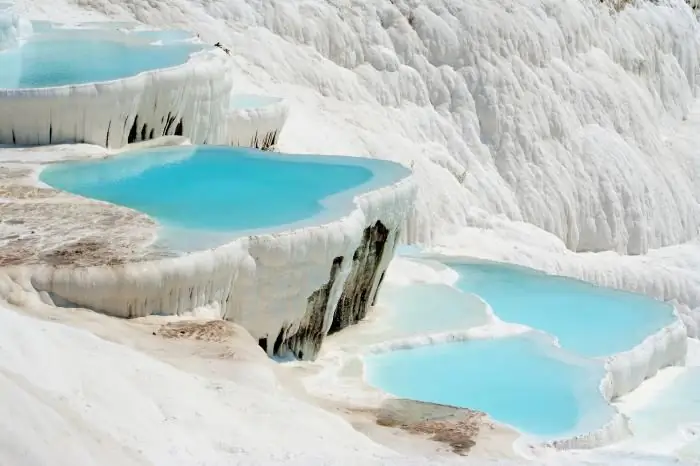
(264, 143)
(14, 139)
(109, 126)
(150, 135)
(278, 341)
(144, 130)
(168, 124)
(355, 299)
(262, 342)
(308, 338)
(50, 133)
(178, 128)
(133, 131)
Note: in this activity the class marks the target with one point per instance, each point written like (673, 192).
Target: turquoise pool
(69, 60)
(520, 381)
(225, 189)
(589, 320)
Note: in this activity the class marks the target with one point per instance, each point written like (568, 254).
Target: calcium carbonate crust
(269, 284)
(624, 371)
(187, 100)
(257, 127)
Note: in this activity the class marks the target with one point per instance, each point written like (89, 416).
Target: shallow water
(518, 381)
(221, 189)
(70, 60)
(590, 320)
(426, 308)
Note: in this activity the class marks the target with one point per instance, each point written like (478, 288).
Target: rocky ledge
(288, 289)
(40, 225)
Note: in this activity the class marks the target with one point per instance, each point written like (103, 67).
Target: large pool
(589, 320)
(225, 189)
(520, 381)
(70, 59)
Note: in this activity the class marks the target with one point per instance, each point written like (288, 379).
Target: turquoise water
(221, 189)
(428, 308)
(519, 381)
(590, 320)
(65, 61)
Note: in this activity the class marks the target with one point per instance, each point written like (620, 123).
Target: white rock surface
(262, 282)
(592, 147)
(256, 121)
(104, 113)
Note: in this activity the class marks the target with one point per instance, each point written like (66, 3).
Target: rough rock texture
(41, 225)
(363, 282)
(257, 125)
(284, 287)
(187, 100)
(263, 141)
(311, 331)
(456, 427)
(216, 330)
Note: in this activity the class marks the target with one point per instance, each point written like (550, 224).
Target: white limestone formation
(187, 100)
(288, 289)
(256, 121)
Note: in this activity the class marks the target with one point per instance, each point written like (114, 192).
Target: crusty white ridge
(261, 282)
(187, 100)
(256, 125)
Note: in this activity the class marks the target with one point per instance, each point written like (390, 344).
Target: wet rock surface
(456, 427)
(306, 342)
(41, 225)
(359, 290)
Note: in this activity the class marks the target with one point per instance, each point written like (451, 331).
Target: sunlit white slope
(70, 398)
(551, 111)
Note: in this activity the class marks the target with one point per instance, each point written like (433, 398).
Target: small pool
(520, 381)
(589, 320)
(225, 189)
(69, 59)
(428, 308)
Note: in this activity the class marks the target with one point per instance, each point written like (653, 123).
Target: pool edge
(248, 278)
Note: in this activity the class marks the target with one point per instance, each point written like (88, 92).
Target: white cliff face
(256, 121)
(554, 112)
(288, 289)
(187, 100)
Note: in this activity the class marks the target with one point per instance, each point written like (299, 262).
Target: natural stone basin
(60, 61)
(256, 120)
(109, 84)
(217, 193)
(288, 284)
(556, 395)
